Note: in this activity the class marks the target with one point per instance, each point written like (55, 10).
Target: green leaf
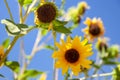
(22, 26)
(60, 23)
(111, 63)
(61, 29)
(1, 75)
(24, 2)
(11, 27)
(27, 2)
(6, 43)
(31, 74)
(13, 65)
(49, 47)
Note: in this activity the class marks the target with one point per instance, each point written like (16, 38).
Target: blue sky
(107, 10)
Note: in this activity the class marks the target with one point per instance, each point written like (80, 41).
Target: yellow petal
(56, 54)
(64, 69)
(86, 63)
(60, 46)
(43, 76)
(76, 43)
(50, 27)
(68, 39)
(84, 41)
(87, 21)
(75, 69)
(86, 55)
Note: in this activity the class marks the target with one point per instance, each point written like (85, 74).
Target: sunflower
(45, 13)
(94, 28)
(73, 54)
(102, 44)
(1, 53)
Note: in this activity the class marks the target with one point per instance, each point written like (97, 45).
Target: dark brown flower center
(103, 46)
(72, 55)
(94, 29)
(46, 13)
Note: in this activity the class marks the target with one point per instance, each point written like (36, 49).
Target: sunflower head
(102, 44)
(45, 13)
(94, 28)
(82, 7)
(72, 54)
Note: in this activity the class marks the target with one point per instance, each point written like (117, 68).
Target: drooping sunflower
(102, 44)
(82, 7)
(94, 28)
(73, 54)
(45, 13)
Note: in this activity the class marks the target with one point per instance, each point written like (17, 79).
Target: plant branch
(9, 49)
(8, 8)
(20, 13)
(12, 44)
(55, 71)
(38, 39)
(96, 75)
(29, 9)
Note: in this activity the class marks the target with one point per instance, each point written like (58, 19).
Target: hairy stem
(55, 71)
(20, 13)
(8, 8)
(9, 49)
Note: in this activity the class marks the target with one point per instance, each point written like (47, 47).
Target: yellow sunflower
(1, 53)
(73, 54)
(45, 13)
(94, 28)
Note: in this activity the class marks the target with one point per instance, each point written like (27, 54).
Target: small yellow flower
(94, 28)
(72, 54)
(45, 13)
(1, 53)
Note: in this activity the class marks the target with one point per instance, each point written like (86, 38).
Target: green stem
(20, 13)
(100, 75)
(66, 76)
(12, 44)
(55, 70)
(9, 49)
(8, 8)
